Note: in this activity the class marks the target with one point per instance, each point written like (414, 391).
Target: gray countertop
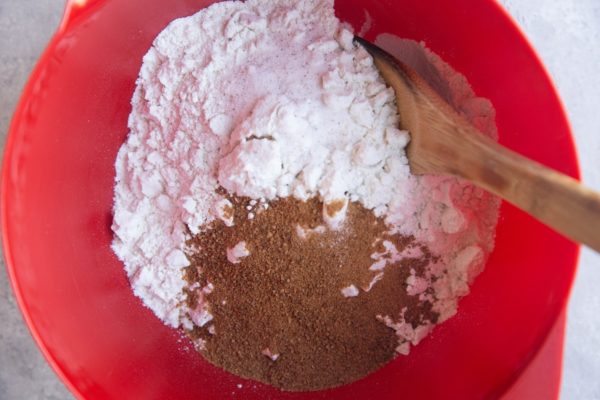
(566, 33)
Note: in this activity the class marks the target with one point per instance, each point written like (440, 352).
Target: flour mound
(266, 99)
(270, 100)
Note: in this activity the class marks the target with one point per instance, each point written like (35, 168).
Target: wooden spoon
(443, 142)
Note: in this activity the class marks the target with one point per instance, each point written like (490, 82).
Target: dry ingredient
(260, 118)
(285, 313)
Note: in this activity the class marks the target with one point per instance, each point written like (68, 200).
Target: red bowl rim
(72, 10)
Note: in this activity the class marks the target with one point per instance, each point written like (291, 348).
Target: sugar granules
(302, 311)
(271, 100)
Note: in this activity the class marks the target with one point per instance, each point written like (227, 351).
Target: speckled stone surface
(566, 34)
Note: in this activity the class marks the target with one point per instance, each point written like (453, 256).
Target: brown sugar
(334, 207)
(279, 314)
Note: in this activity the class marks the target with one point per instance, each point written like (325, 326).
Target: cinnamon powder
(280, 315)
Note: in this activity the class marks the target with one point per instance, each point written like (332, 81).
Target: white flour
(273, 99)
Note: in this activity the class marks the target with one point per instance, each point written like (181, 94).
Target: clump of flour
(270, 100)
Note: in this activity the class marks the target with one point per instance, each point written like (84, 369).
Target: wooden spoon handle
(557, 200)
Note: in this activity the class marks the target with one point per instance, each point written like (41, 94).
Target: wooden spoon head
(429, 119)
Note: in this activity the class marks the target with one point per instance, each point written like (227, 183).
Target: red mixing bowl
(57, 187)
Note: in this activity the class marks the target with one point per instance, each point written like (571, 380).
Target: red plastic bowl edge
(69, 11)
(72, 9)
(577, 175)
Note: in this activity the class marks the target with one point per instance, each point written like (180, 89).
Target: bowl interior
(57, 198)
